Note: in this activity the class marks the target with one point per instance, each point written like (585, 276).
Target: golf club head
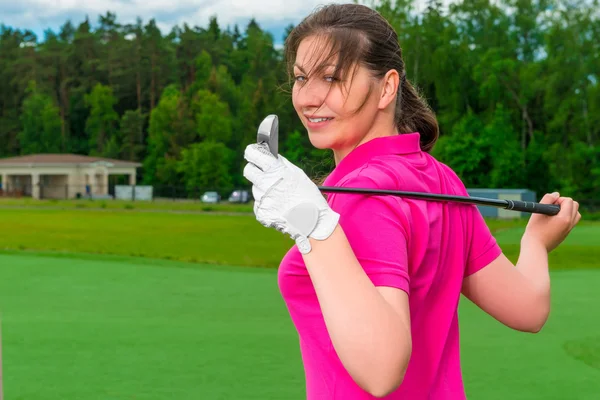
(268, 132)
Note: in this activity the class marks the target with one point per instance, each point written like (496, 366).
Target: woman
(373, 282)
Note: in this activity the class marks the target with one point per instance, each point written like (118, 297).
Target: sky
(271, 15)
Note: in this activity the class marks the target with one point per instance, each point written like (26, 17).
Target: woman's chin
(320, 141)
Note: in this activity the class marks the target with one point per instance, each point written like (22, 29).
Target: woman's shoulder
(382, 211)
(371, 175)
(374, 174)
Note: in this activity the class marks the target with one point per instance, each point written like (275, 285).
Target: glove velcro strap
(303, 218)
(303, 245)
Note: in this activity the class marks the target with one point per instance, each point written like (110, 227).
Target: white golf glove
(286, 199)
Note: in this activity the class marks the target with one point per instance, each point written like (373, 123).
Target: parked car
(239, 196)
(211, 197)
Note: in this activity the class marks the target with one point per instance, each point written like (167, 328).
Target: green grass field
(155, 205)
(121, 304)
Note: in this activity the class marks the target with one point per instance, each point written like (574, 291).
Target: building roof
(61, 159)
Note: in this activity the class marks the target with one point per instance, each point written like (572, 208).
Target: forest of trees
(514, 84)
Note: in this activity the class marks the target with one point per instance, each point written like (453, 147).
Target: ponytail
(413, 114)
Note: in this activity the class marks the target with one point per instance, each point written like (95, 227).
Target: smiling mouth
(319, 119)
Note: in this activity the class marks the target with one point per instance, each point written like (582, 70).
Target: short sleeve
(376, 229)
(483, 247)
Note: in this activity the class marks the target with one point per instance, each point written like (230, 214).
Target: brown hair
(358, 35)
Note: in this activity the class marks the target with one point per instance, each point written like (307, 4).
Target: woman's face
(327, 108)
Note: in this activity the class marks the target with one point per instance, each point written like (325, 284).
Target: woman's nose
(310, 94)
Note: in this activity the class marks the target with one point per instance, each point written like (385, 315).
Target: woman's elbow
(538, 322)
(535, 321)
(383, 391)
(384, 387)
(386, 380)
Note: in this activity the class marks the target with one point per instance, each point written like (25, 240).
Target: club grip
(532, 207)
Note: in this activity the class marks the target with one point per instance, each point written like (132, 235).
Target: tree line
(514, 85)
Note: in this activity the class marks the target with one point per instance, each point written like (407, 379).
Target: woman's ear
(389, 88)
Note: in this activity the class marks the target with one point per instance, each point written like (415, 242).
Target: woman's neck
(374, 132)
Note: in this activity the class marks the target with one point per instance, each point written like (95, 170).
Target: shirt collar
(387, 145)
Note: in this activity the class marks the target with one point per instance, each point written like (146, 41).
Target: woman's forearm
(370, 336)
(533, 264)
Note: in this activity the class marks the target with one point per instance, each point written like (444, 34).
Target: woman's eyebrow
(300, 68)
(303, 71)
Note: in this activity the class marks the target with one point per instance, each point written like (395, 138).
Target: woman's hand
(286, 199)
(550, 231)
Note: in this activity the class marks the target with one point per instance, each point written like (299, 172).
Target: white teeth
(319, 119)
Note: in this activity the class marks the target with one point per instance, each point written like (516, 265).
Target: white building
(60, 176)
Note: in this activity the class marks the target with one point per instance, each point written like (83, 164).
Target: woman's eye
(330, 78)
(299, 78)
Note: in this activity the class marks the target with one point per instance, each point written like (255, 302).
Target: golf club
(268, 133)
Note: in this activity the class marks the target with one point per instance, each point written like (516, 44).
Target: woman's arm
(369, 326)
(519, 296)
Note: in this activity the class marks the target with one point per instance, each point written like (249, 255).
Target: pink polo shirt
(425, 248)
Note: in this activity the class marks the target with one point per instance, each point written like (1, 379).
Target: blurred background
(131, 265)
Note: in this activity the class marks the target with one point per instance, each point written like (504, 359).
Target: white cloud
(272, 15)
(41, 14)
